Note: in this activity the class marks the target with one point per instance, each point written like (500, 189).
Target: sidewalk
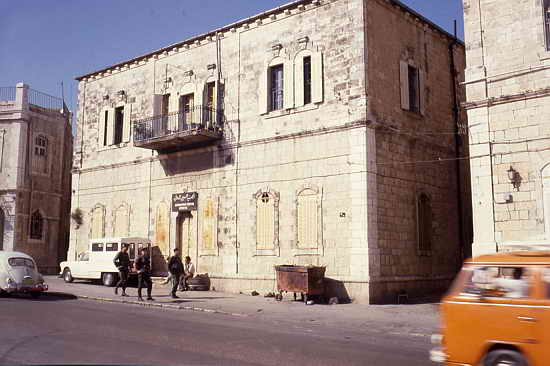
(416, 320)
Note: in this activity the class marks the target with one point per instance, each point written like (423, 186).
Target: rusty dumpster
(305, 280)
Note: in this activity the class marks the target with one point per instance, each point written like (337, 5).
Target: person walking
(175, 267)
(122, 262)
(189, 273)
(143, 268)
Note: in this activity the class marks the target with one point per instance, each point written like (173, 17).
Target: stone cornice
(528, 94)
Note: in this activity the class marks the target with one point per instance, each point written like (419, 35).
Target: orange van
(497, 312)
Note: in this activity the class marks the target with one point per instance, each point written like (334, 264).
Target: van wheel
(505, 357)
(67, 275)
(109, 279)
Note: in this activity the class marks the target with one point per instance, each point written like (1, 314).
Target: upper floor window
(307, 80)
(37, 226)
(424, 224)
(119, 125)
(40, 159)
(546, 4)
(276, 87)
(114, 125)
(411, 87)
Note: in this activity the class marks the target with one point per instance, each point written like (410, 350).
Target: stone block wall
(507, 93)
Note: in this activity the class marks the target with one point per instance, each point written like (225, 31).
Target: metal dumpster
(308, 281)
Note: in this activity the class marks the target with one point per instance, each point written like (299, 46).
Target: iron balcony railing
(194, 118)
(44, 100)
(7, 93)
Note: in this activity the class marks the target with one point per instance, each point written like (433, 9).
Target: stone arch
(121, 220)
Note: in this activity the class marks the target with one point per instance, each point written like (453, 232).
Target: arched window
(424, 223)
(265, 221)
(307, 219)
(37, 226)
(40, 159)
(121, 222)
(97, 229)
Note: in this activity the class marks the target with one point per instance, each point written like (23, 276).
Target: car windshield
(21, 262)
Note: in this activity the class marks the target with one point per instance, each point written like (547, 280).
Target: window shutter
(157, 104)
(299, 93)
(101, 126)
(316, 77)
(288, 84)
(127, 126)
(404, 77)
(263, 90)
(422, 91)
(111, 126)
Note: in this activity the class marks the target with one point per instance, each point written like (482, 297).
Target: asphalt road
(64, 330)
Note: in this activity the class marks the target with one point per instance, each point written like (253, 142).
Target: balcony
(194, 127)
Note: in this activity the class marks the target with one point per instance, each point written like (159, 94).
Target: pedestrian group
(180, 272)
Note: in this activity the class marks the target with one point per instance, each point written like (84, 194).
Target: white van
(97, 262)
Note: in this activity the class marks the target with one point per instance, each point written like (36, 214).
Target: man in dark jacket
(143, 268)
(122, 262)
(175, 266)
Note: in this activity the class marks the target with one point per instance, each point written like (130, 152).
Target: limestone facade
(318, 101)
(35, 175)
(508, 95)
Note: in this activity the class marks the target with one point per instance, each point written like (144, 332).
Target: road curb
(159, 305)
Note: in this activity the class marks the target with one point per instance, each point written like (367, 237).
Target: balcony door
(165, 107)
(186, 107)
(2, 219)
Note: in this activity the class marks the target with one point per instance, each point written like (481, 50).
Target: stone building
(316, 133)
(508, 105)
(35, 175)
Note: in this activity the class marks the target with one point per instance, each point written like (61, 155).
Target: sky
(44, 43)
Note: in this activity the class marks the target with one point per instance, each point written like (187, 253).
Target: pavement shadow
(45, 297)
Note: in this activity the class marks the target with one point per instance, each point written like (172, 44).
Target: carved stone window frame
(128, 209)
(276, 251)
(102, 207)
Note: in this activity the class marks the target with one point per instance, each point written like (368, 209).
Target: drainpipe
(457, 142)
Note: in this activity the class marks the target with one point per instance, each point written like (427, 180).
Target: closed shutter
(307, 222)
(422, 91)
(288, 84)
(316, 77)
(127, 127)
(299, 81)
(157, 104)
(110, 126)
(404, 81)
(265, 224)
(263, 90)
(101, 126)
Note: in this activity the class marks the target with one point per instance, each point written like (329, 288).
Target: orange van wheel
(505, 357)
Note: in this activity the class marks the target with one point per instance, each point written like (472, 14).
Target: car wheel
(67, 275)
(35, 295)
(108, 279)
(505, 357)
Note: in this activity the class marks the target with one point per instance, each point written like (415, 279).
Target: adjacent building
(35, 175)
(317, 133)
(508, 105)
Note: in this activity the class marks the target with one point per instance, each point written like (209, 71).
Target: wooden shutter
(127, 123)
(157, 104)
(316, 77)
(265, 224)
(404, 78)
(101, 126)
(307, 222)
(288, 84)
(111, 126)
(263, 90)
(422, 91)
(299, 81)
